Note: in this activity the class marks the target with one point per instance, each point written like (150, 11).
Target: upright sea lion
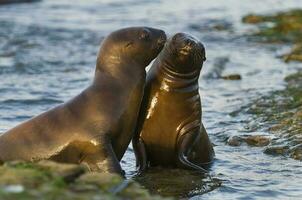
(169, 130)
(96, 126)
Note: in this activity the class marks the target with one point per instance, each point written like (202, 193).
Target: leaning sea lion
(170, 131)
(96, 126)
(17, 1)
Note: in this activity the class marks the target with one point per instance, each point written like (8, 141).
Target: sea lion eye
(145, 35)
(129, 44)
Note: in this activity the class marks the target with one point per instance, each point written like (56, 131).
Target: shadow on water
(177, 182)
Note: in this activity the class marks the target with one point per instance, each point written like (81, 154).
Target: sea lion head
(138, 45)
(184, 53)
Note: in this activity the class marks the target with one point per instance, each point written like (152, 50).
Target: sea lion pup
(96, 126)
(169, 130)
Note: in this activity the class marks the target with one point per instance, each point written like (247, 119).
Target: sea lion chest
(169, 108)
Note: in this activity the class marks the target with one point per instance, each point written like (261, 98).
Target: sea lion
(96, 126)
(169, 130)
(17, 1)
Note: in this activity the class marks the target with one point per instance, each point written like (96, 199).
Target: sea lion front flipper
(140, 155)
(102, 158)
(183, 148)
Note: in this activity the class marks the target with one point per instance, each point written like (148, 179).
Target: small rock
(232, 77)
(257, 140)
(296, 152)
(234, 141)
(276, 150)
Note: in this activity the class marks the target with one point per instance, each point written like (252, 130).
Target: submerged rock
(178, 183)
(216, 71)
(251, 140)
(234, 141)
(50, 180)
(218, 67)
(231, 77)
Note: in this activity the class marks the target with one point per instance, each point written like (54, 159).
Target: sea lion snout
(159, 36)
(184, 53)
(187, 44)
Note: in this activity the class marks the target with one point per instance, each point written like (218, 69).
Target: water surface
(48, 52)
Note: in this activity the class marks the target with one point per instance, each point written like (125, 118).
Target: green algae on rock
(282, 111)
(295, 54)
(283, 27)
(49, 180)
(280, 27)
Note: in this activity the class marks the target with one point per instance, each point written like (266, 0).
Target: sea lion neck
(119, 71)
(176, 79)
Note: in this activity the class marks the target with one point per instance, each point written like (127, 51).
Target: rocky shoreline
(50, 180)
(280, 112)
(282, 28)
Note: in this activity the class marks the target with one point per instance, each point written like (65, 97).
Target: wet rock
(252, 140)
(234, 141)
(231, 77)
(48, 180)
(276, 150)
(114, 184)
(296, 152)
(106, 181)
(68, 172)
(257, 140)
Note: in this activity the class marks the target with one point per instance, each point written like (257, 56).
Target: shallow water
(48, 52)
